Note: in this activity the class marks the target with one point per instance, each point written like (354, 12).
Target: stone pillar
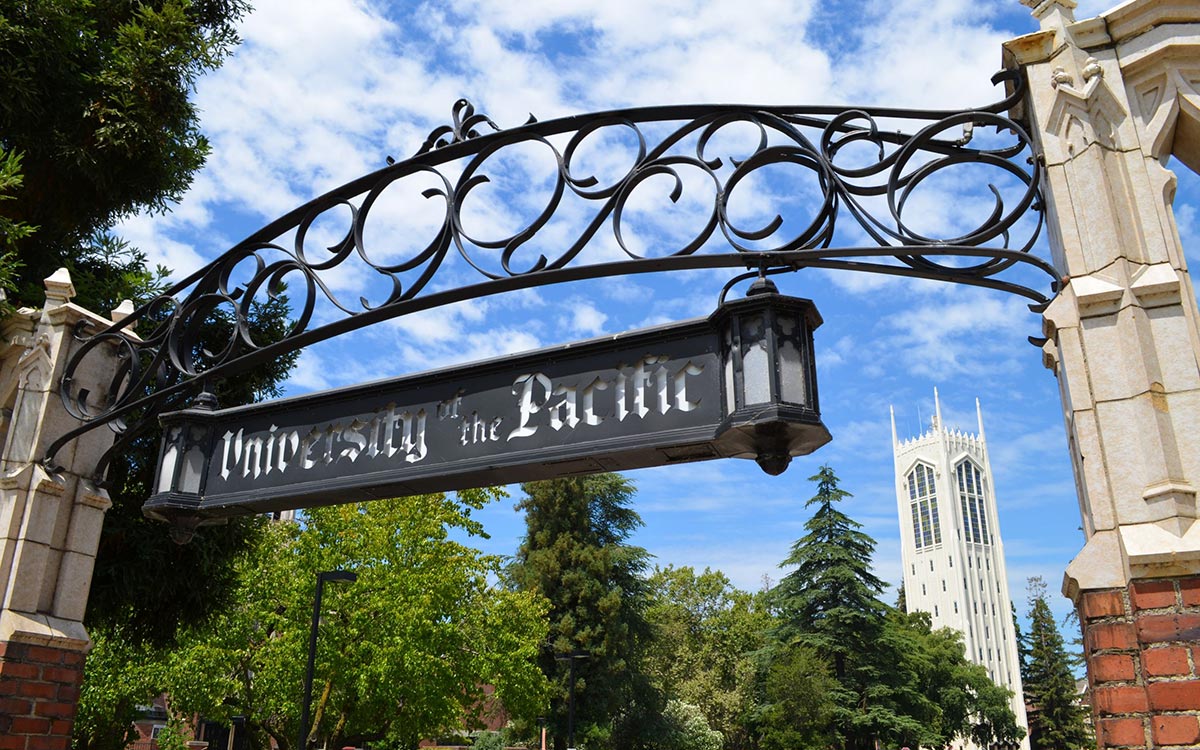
(1110, 100)
(49, 524)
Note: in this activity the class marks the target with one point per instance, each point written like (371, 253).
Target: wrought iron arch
(907, 148)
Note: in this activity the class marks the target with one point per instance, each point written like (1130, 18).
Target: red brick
(1165, 662)
(1102, 604)
(43, 655)
(1174, 696)
(54, 710)
(58, 674)
(68, 693)
(1175, 730)
(12, 743)
(72, 659)
(49, 743)
(61, 727)
(15, 707)
(1123, 732)
(1120, 699)
(13, 651)
(1118, 635)
(42, 690)
(26, 725)
(1152, 594)
(18, 671)
(1190, 589)
(1114, 667)
(1159, 628)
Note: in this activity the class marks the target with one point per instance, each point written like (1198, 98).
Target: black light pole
(328, 575)
(572, 658)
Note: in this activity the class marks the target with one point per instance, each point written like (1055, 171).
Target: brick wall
(39, 687)
(1143, 649)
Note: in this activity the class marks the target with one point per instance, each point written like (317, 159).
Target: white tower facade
(951, 548)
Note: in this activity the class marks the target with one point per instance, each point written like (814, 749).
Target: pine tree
(895, 682)
(575, 554)
(831, 599)
(830, 603)
(1056, 720)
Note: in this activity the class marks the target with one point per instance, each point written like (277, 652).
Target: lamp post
(770, 377)
(322, 577)
(571, 658)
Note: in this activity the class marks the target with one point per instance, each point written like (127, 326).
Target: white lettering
(527, 404)
(681, 399)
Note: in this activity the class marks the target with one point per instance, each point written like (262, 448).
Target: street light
(572, 658)
(770, 377)
(328, 575)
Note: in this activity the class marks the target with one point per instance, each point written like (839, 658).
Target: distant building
(951, 548)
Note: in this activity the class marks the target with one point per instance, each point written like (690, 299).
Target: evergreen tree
(575, 555)
(831, 599)
(1056, 720)
(895, 682)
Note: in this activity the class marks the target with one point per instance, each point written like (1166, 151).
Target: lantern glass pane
(166, 471)
(756, 360)
(792, 371)
(193, 468)
(730, 403)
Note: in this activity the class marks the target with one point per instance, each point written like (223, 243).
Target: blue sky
(322, 92)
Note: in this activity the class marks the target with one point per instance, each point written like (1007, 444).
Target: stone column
(49, 524)
(1110, 100)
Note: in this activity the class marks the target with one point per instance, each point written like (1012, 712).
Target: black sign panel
(641, 399)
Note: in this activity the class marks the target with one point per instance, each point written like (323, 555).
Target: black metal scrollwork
(862, 172)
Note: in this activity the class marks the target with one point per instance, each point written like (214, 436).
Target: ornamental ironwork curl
(866, 170)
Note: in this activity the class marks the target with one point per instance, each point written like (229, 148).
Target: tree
(895, 681)
(1056, 720)
(96, 102)
(798, 710)
(688, 729)
(574, 554)
(831, 599)
(406, 652)
(706, 639)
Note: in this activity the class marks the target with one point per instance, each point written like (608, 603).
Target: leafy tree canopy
(706, 637)
(96, 104)
(405, 652)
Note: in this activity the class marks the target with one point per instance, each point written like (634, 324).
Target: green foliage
(688, 729)
(831, 600)
(120, 674)
(894, 681)
(706, 637)
(490, 741)
(97, 102)
(403, 653)
(798, 710)
(574, 554)
(11, 231)
(1056, 720)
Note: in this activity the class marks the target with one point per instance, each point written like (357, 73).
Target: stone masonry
(49, 523)
(1110, 100)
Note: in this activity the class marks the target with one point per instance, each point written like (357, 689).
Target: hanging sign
(634, 400)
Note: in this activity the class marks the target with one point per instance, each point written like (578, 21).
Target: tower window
(923, 496)
(943, 584)
(971, 500)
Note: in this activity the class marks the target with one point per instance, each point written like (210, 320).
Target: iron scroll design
(858, 168)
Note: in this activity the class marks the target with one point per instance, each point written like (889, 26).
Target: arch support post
(49, 522)
(1110, 100)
